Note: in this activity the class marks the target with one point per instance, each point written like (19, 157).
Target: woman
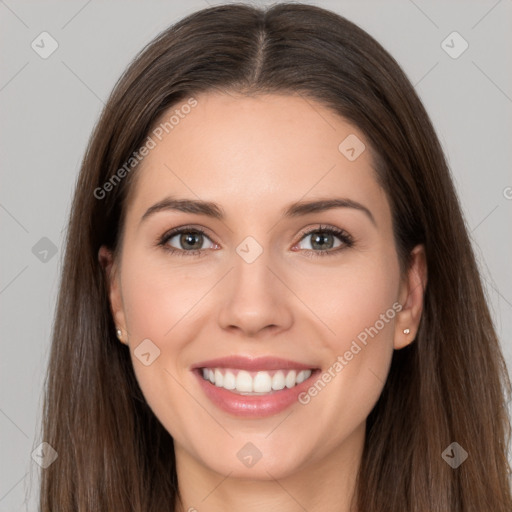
(269, 299)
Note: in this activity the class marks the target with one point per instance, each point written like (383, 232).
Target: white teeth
(218, 378)
(229, 381)
(244, 381)
(290, 379)
(278, 381)
(263, 382)
(301, 376)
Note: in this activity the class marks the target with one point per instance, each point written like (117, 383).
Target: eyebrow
(294, 210)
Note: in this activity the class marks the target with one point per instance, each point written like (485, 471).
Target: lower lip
(253, 406)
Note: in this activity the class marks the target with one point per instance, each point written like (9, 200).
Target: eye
(189, 241)
(324, 239)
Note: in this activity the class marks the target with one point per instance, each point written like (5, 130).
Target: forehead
(255, 152)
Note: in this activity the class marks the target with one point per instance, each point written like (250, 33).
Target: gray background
(48, 108)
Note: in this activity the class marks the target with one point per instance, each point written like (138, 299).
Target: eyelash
(346, 239)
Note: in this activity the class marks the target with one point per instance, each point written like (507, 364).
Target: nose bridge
(254, 298)
(251, 270)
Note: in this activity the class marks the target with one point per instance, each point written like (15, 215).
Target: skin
(254, 156)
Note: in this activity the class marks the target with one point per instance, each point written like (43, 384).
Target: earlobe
(106, 259)
(412, 292)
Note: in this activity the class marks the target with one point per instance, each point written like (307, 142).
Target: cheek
(351, 297)
(359, 304)
(364, 300)
(163, 305)
(157, 298)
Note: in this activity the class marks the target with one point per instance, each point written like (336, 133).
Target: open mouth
(253, 387)
(255, 383)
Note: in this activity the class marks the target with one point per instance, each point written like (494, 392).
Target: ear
(411, 296)
(110, 267)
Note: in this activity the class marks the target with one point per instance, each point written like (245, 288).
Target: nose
(254, 298)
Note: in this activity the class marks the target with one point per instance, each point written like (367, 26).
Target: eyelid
(171, 233)
(346, 239)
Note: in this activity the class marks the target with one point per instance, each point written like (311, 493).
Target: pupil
(188, 238)
(320, 239)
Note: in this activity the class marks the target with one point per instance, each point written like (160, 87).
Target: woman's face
(255, 291)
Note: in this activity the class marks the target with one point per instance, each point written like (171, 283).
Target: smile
(254, 383)
(253, 387)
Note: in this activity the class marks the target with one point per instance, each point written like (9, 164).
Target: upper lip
(252, 363)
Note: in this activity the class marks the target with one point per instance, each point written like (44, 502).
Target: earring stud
(119, 333)
(406, 331)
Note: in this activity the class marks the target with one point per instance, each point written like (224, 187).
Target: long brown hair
(449, 385)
